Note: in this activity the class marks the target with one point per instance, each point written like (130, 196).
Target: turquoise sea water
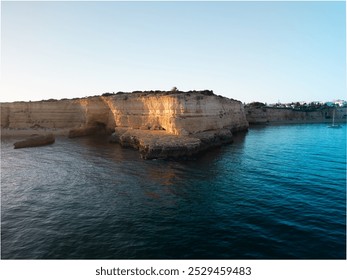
(278, 192)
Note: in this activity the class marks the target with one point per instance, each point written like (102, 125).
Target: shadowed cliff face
(36, 115)
(59, 114)
(177, 113)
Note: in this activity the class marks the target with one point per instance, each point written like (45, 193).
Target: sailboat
(333, 125)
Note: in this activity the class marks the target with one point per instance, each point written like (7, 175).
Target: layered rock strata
(159, 144)
(182, 113)
(270, 115)
(159, 124)
(57, 115)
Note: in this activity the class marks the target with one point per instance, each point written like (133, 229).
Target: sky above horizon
(249, 51)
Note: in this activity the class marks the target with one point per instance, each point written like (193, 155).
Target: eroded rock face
(159, 124)
(159, 144)
(56, 115)
(174, 125)
(177, 113)
(41, 115)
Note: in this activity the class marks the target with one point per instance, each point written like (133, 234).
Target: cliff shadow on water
(102, 143)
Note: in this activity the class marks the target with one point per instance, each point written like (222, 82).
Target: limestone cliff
(159, 124)
(57, 115)
(44, 114)
(287, 115)
(177, 113)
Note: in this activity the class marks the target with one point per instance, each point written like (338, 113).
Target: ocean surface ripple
(278, 192)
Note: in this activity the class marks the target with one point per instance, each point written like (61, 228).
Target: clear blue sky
(250, 51)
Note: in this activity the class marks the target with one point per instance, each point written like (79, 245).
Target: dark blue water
(278, 192)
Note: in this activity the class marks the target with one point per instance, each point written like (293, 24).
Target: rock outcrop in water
(35, 141)
(159, 124)
(159, 144)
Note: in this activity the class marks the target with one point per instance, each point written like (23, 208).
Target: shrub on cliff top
(204, 92)
(174, 90)
(108, 94)
(49, 100)
(207, 92)
(256, 105)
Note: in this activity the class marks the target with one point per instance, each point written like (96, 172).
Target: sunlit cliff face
(178, 113)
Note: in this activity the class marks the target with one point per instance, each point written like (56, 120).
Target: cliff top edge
(136, 93)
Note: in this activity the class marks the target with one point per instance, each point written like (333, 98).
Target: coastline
(64, 132)
(26, 132)
(160, 124)
(273, 116)
(286, 122)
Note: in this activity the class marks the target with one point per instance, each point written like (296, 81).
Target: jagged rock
(159, 144)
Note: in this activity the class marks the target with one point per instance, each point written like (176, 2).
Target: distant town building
(340, 103)
(302, 105)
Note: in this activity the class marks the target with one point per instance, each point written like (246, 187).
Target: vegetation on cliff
(174, 90)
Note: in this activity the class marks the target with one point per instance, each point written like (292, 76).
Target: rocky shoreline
(159, 124)
(272, 115)
(159, 145)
